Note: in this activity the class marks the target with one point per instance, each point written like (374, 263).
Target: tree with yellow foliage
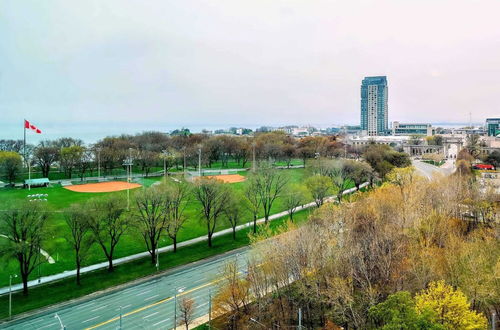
(450, 307)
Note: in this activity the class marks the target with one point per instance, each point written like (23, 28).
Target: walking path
(102, 265)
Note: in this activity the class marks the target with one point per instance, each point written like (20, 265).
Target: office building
(374, 117)
(412, 129)
(493, 126)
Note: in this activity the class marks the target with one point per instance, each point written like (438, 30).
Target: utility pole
(120, 317)
(300, 319)
(128, 163)
(209, 309)
(10, 295)
(199, 161)
(253, 156)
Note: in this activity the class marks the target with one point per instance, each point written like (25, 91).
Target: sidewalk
(102, 265)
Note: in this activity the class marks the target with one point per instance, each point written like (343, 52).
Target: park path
(118, 261)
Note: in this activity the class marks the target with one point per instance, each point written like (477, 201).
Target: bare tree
(24, 227)
(319, 186)
(81, 237)
(294, 197)
(46, 153)
(253, 200)
(213, 196)
(177, 196)
(269, 183)
(186, 309)
(150, 218)
(232, 211)
(108, 224)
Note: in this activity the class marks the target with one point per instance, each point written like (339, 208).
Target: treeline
(155, 150)
(412, 254)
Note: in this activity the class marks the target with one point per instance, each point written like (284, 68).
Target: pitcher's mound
(103, 187)
(228, 178)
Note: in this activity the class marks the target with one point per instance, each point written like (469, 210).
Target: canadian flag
(31, 127)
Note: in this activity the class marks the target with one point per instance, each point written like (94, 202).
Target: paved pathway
(102, 265)
(429, 171)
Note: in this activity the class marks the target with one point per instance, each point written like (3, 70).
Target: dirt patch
(103, 187)
(228, 178)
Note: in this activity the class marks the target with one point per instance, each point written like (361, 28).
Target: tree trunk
(254, 223)
(209, 240)
(110, 264)
(175, 243)
(25, 284)
(78, 272)
(234, 233)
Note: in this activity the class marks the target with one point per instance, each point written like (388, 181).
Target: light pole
(120, 317)
(253, 156)
(99, 164)
(157, 258)
(128, 162)
(165, 155)
(60, 322)
(209, 308)
(10, 294)
(177, 290)
(199, 161)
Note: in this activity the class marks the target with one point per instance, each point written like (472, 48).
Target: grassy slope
(99, 280)
(60, 198)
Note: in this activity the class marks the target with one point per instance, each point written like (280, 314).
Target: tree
(177, 196)
(339, 174)
(398, 312)
(233, 295)
(150, 218)
(70, 157)
(24, 226)
(46, 153)
(269, 184)
(294, 197)
(10, 165)
(108, 224)
(319, 186)
(232, 211)
(213, 196)
(359, 172)
(450, 307)
(494, 159)
(253, 201)
(382, 158)
(186, 309)
(81, 237)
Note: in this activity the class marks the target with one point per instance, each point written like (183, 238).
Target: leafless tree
(187, 308)
(269, 184)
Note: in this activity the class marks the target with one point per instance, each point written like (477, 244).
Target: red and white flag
(31, 127)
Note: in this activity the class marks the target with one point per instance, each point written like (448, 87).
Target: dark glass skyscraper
(374, 119)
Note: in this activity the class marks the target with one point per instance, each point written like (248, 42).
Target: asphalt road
(148, 305)
(429, 170)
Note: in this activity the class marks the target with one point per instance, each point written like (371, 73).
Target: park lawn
(131, 243)
(99, 280)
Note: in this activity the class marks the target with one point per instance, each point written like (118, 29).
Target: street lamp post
(10, 295)
(257, 322)
(60, 322)
(128, 162)
(199, 161)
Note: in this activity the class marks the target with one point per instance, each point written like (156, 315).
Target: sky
(98, 67)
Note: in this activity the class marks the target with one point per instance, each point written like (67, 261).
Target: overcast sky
(106, 66)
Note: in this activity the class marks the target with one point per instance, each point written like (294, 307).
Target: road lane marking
(145, 317)
(144, 292)
(123, 307)
(165, 320)
(91, 319)
(152, 297)
(85, 305)
(98, 308)
(48, 325)
(154, 304)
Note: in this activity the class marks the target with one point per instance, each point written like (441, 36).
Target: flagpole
(24, 127)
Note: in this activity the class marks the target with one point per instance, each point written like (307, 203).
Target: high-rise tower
(374, 119)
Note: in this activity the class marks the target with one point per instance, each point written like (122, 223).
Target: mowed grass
(99, 280)
(131, 243)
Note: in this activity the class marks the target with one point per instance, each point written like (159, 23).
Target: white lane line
(165, 320)
(91, 319)
(123, 307)
(98, 308)
(36, 321)
(85, 305)
(152, 297)
(48, 325)
(144, 292)
(203, 304)
(145, 317)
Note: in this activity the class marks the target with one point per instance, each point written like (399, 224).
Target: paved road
(148, 305)
(429, 170)
(102, 265)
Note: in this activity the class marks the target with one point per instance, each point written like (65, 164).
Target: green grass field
(99, 280)
(56, 245)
